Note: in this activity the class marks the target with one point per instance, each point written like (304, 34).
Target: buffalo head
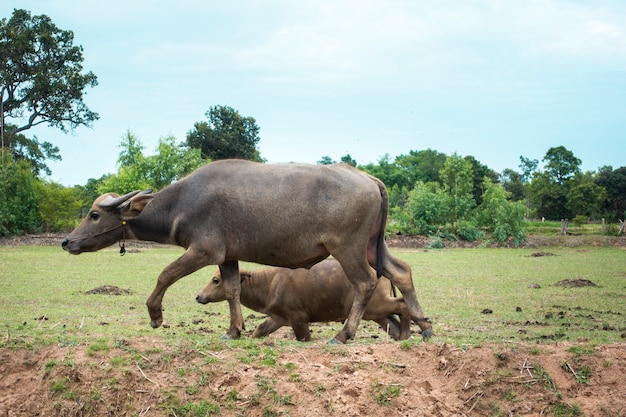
(105, 223)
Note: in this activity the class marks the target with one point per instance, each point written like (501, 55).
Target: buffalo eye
(94, 215)
(216, 281)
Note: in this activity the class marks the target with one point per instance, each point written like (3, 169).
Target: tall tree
(227, 134)
(585, 197)
(551, 187)
(614, 182)
(458, 182)
(561, 164)
(386, 171)
(480, 172)
(423, 165)
(41, 76)
(529, 168)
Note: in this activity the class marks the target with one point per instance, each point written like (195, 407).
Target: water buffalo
(289, 215)
(297, 297)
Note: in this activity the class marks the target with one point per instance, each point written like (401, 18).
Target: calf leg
(232, 291)
(188, 263)
(390, 326)
(301, 329)
(266, 328)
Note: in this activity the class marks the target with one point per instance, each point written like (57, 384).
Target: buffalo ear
(136, 205)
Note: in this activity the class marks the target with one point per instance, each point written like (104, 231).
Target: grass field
(43, 296)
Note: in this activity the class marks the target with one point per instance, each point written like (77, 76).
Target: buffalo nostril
(64, 243)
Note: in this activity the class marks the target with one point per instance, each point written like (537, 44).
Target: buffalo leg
(188, 263)
(232, 291)
(363, 280)
(266, 328)
(399, 273)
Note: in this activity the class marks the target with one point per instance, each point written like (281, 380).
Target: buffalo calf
(297, 297)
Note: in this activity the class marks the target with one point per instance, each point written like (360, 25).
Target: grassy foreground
(472, 296)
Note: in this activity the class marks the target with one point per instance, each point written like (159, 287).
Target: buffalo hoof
(334, 341)
(426, 334)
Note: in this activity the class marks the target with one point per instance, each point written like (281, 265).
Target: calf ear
(136, 205)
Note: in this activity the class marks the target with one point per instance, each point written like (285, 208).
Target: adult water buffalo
(297, 297)
(289, 215)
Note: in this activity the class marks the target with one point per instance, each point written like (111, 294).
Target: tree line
(42, 80)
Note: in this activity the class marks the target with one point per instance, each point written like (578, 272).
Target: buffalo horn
(113, 202)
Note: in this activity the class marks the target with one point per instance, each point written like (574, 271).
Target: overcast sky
(494, 79)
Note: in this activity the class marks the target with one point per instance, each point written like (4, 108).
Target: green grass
(43, 300)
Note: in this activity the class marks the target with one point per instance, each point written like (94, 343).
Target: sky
(494, 79)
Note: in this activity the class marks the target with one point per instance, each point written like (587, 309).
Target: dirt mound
(540, 254)
(142, 378)
(108, 290)
(577, 282)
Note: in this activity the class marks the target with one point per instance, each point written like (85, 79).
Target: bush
(469, 232)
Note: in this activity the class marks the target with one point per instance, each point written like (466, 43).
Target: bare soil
(142, 377)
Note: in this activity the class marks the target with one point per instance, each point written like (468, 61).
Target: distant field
(43, 296)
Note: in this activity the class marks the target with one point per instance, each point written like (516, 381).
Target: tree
(504, 219)
(41, 76)
(550, 188)
(18, 197)
(428, 209)
(512, 182)
(346, 159)
(34, 153)
(479, 172)
(59, 207)
(326, 160)
(137, 171)
(585, 196)
(458, 182)
(227, 134)
(386, 171)
(528, 167)
(614, 182)
(561, 164)
(423, 165)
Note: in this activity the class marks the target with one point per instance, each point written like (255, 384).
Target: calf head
(105, 223)
(214, 291)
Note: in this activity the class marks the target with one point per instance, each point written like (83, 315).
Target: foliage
(227, 134)
(346, 159)
(584, 196)
(41, 79)
(137, 171)
(18, 197)
(504, 219)
(386, 171)
(614, 182)
(59, 207)
(457, 177)
(34, 152)
(561, 164)
(428, 207)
